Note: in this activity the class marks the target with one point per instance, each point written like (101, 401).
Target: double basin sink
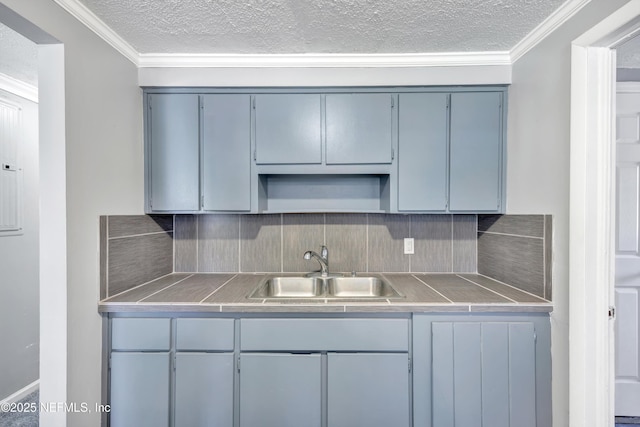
(324, 288)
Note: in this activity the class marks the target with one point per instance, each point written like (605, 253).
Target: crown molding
(546, 27)
(98, 26)
(18, 87)
(457, 59)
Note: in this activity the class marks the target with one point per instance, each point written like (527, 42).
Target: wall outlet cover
(408, 246)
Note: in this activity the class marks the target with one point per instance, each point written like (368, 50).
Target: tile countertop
(438, 292)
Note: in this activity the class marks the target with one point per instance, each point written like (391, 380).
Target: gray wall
(104, 175)
(538, 164)
(19, 262)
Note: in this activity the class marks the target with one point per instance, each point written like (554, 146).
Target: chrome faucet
(323, 259)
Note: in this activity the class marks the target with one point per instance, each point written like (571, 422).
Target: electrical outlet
(408, 246)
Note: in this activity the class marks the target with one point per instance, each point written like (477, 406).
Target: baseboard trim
(20, 394)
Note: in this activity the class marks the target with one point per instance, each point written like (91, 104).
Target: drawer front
(205, 334)
(140, 334)
(324, 334)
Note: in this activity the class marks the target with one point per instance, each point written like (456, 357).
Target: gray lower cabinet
(482, 371)
(280, 390)
(368, 389)
(140, 366)
(139, 389)
(204, 389)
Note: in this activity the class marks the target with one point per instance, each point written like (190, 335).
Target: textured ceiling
(18, 56)
(321, 26)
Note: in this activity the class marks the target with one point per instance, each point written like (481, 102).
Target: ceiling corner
(546, 27)
(19, 88)
(95, 24)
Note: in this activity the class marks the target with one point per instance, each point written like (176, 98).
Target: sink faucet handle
(324, 252)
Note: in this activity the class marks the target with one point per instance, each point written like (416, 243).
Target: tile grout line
(484, 287)
(173, 244)
(281, 243)
(141, 235)
(432, 288)
(160, 290)
(197, 243)
(151, 281)
(239, 244)
(233, 276)
(511, 286)
(510, 235)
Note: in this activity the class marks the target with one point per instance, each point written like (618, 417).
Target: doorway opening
(592, 220)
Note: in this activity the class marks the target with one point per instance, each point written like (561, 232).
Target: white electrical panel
(10, 172)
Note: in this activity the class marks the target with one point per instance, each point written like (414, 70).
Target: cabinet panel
(204, 334)
(368, 390)
(140, 334)
(475, 151)
(422, 152)
(174, 150)
(324, 334)
(288, 129)
(280, 390)
(204, 389)
(226, 152)
(359, 128)
(139, 389)
(483, 370)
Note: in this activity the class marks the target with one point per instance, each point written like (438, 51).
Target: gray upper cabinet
(476, 152)
(422, 152)
(226, 152)
(173, 152)
(359, 128)
(288, 129)
(394, 150)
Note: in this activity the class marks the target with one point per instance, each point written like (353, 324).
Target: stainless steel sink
(360, 287)
(289, 287)
(324, 288)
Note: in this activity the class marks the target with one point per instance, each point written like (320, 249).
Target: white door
(627, 285)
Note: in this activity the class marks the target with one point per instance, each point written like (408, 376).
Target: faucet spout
(323, 259)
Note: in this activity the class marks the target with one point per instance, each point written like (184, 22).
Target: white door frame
(591, 238)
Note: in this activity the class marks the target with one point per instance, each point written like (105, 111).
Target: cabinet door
(368, 390)
(422, 152)
(359, 128)
(226, 152)
(476, 152)
(483, 371)
(288, 129)
(173, 138)
(204, 389)
(139, 389)
(280, 390)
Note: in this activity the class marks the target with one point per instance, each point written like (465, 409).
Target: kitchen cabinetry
(422, 370)
(144, 365)
(359, 128)
(423, 155)
(288, 129)
(354, 372)
(391, 150)
(140, 373)
(173, 129)
(204, 372)
(476, 152)
(450, 152)
(280, 390)
(198, 152)
(226, 150)
(482, 370)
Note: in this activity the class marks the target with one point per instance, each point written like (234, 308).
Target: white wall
(538, 164)
(104, 173)
(19, 261)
